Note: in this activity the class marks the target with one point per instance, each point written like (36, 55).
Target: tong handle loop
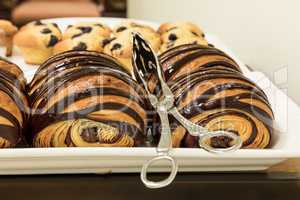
(204, 134)
(165, 182)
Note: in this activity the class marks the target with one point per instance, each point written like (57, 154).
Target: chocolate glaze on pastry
(13, 105)
(211, 90)
(83, 98)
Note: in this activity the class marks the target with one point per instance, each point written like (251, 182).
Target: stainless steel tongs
(146, 64)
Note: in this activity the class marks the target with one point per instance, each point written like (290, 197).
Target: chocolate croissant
(86, 99)
(210, 90)
(13, 105)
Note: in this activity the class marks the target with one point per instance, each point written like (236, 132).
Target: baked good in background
(180, 41)
(36, 41)
(7, 32)
(86, 28)
(100, 106)
(83, 36)
(14, 111)
(127, 24)
(179, 33)
(211, 90)
(81, 43)
(193, 28)
(120, 46)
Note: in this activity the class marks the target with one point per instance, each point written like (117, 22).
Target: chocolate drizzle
(62, 71)
(12, 88)
(213, 91)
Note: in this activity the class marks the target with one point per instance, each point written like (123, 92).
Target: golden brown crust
(83, 36)
(187, 40)
(7, 32)
(130, 25)
(84, 42)
(179, 33)
(165, 27)
(13, 105)
(120, 47)
(87, 104)
(8, 27)
(87, 28)
(36, 42)
(211, 91)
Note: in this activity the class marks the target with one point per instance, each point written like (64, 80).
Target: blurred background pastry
(173, 41)
(86, 28)
(7, 32)
(36, 41)
(127, 24)
(100, 106)
(14, 111)
(84, 42)
(178, 33)
(83, 36)
(120, 46)
(193, 28)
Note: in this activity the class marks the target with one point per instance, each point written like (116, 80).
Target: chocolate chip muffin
(120, 47)
(7, 32)
(36, 41)
(179, 35)
(86, 28)
(83, 36)
(80, 43)
(165, 27)
(131, 25)
(181, 41)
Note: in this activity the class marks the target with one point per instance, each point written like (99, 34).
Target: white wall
(265, 34)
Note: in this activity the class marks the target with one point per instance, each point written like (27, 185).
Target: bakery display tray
(285, 142)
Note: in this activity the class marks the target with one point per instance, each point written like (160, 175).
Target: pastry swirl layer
(211, 90)
(14, 111)
(86, 99)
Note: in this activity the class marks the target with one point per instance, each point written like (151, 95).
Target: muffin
(165, 27)
(131, 25)
(37, 23)
(80, 43)
(7, 32)
(120, 47)
(177, 34)
(89, 28)
(36, 41)
(181, 41)
(83, 36)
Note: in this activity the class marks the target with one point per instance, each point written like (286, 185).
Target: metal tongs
(146, 64)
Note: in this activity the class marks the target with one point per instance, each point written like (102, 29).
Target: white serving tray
(112, 160)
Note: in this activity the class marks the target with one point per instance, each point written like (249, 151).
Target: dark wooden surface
(208, 186)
